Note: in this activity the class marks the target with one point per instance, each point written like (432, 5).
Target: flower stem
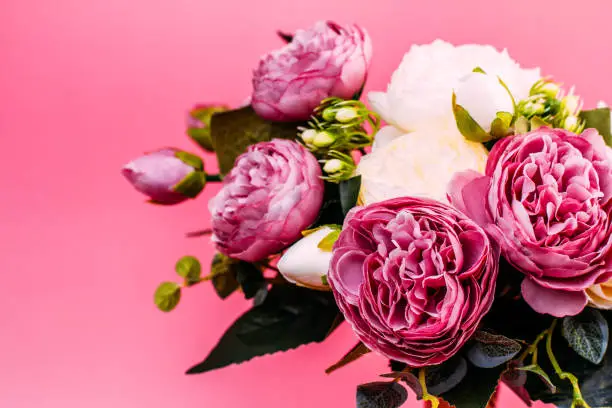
(577, 400)
(435, 402)
(213, 178)
(200, 233)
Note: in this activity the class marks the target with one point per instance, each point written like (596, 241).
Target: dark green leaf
(250, 278)
(331, 210)
(381, 395)
(225, 284)
(349, 193)
(288, 317)
(491, 350)
(232, 132)
(356, 352)
(595, 379)
(598, 119)
(167, 296)
(446, 376)
(475, 389)
(541, 374)
(189, 268)
(587, 334)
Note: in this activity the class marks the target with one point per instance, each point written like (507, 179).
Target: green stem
(577, 400)
(214, 178)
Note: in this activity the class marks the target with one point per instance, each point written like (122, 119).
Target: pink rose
(273, 192)
(414, 277)
(325, 60)
(158, 173)
(546, 199)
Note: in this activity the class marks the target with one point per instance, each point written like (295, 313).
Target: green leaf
(288, 317)
(500, 127)
(250, 278)
(189, 268)
(381, 395)
(232, 132)
(541, 374)
(327, 243)
(349, 193)
(521, 125)
(479, 70)
(355, 353)
(225, 284)
(167, 296)
(446, 376)
(475, 389)
(537, 122)
(598, 119)
(191, 160)
(331, 211)
(587, 334)
(491, 350)
(469, 128)
(191, 185)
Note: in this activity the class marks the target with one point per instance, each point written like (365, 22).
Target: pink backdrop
(84, 86)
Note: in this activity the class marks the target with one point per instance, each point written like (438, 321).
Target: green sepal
(307, 232)
(598, 119)
(167, 296)
(537, 122)
(521, 125)
(192, 184)
(190, 159)
(466, 124)
(202, 137)
(500, 126)
(327, 243)
(189, 268)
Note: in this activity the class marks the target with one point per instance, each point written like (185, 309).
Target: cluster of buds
(340, 125)
(548, 106)
(336, 128)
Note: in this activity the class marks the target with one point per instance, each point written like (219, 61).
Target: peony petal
(553, 302)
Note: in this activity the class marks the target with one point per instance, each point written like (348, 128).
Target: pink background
(84, 86)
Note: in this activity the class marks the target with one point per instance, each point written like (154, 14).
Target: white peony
(420, 91)
(419, 163)
(304, 263)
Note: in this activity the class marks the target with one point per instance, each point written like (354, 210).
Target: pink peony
(414, 277)
(325, 60)
(273, 192)
(546, 199)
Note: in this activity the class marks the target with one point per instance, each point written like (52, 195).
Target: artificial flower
(546, 199)
(273, 192)
(413, 277)
(325, 60)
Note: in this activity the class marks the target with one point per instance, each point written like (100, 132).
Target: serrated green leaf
(191, 185)
(191, 160)
(232, 132)
(469, 128)
(587, 334)
(349, 193)
(327, 243)
(189, 268)
(167, 296)
(288, 317)
(381, 395)
(598, 119)
(492, 350)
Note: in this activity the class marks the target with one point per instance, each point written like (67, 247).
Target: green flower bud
(338, 167)
(323, 139)
(345, 115)
(546, 88)
(308, 136)
(570, 105)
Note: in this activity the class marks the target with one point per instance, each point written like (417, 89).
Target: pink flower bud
(165, 175)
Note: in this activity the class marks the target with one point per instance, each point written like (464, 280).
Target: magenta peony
(414, 277)
(325, 60)
(273, 192)
(156, 175)
(546, 199)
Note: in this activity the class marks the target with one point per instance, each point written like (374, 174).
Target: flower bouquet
(468, 241)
